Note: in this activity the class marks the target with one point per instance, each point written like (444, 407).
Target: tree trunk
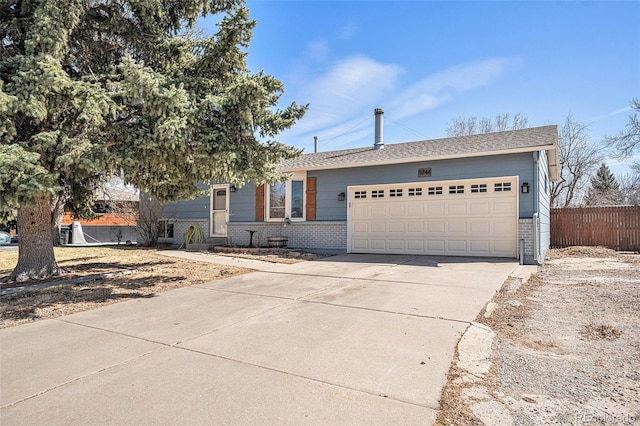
(36, 259)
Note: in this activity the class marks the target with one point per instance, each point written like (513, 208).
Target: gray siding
(331, 182)
(243, 204)
(544, 196)
(187, 209)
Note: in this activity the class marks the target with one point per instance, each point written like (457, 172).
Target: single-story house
(116, 212)
(481, 195)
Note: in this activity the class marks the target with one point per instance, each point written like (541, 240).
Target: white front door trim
(219, 210)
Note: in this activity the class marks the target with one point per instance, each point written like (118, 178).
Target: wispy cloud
(348, 91)
(318, 50)
(610, 114)
(348, 31)
(343, 94)
(443, 86)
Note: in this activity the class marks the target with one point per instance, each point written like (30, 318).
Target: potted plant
(280, 241)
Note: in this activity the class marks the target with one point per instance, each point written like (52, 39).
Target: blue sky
(427, 62)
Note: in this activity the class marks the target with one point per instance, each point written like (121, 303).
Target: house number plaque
(426, 172)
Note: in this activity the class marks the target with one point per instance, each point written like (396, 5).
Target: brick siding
(303, 235)
(525, 232)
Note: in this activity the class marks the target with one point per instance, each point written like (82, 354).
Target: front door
(219, 210)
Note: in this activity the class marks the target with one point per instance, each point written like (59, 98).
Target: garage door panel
(361, 212)
(360, 244)
(479, 208)
(415, 227)
(504, 247)
(378, 212)
(456, 246)
(457, 208)
(436, 209)
(396, 210)
(458, 226)
(415, 209)
(436, 245)
(480, 247)
(436, 226)
(415, 245)
(361, 227)
(505, 227)
(504, 207)
(397, 227)
(377, 227)
(480, 226)
(397, 245)
(378, 244)
(450, 222)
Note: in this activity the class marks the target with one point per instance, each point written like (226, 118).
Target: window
(220, 199)
(395, 193)
(435, 190)
(360, 194)
(377, 193)
(277, 200)
(297, 199)
(103, 208)
(482, 187)
(285, 199)
(502, 187)
(165, 229)
(414, 192)
(456, 189)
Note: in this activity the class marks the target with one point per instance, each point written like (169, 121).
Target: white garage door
(456, 218)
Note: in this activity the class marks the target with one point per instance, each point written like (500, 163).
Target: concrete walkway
(351, 339)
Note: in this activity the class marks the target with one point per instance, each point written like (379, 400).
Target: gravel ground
(566, 347)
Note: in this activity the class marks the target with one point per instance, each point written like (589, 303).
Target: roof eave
(554, 173)
(553, 149)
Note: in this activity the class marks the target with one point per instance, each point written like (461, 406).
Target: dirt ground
(566, 348)
(122, 273)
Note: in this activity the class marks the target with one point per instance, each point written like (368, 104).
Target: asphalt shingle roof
(536, 138)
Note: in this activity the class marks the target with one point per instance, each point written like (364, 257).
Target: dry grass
(153, 274)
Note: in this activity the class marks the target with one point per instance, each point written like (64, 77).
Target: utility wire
(345, 132)
(407, 128)
(403, 126)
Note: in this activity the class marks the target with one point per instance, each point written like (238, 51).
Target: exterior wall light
(525, 188)
(341, 196)
(232, 188)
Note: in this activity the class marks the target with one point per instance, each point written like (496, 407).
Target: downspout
(536, 205)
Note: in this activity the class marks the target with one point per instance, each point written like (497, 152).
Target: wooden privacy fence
(615, 227)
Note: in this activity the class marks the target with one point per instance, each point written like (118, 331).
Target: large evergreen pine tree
(604, 190)
(95, 88)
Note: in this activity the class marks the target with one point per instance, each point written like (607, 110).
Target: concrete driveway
(365, 339)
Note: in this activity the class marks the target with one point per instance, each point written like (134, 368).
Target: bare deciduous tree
(628, 140)
(577, 157)
(630, 185)
(148, 219)
(465, 126)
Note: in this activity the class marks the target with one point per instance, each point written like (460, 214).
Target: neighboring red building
(117, 211)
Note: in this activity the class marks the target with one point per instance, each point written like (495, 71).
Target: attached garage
(478, 195)
(476, 217)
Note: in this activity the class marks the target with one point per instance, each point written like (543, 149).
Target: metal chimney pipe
(379, 141)
(315, 144)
